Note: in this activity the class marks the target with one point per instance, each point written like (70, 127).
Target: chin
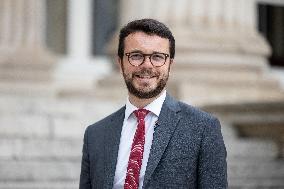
(146, 94)
(145, 90)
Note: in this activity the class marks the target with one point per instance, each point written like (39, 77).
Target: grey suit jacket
(187, 151)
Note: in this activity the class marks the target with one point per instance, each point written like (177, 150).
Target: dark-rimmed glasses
(157, 59)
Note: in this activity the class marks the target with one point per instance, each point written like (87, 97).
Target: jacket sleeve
(85, 181)
(212, 167)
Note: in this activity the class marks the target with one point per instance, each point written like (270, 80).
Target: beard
(144, 92)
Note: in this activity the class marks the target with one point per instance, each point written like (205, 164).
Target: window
(271, 25)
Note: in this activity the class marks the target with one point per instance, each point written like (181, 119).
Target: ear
(119, 63)
(170, 66)
(171, 61)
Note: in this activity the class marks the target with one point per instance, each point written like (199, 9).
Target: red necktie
(136, 154)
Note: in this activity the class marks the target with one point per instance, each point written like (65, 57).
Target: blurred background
(58, 75)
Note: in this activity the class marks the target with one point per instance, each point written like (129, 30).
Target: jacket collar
(167, 122)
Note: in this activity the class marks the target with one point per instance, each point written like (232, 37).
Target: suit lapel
(167, 122)
(112, 138)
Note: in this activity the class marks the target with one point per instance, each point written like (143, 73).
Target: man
(154, 141)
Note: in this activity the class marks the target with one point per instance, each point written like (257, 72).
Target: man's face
(145, 81)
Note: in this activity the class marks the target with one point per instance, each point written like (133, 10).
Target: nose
(147, 62)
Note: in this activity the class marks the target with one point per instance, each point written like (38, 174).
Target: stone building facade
(54, 82)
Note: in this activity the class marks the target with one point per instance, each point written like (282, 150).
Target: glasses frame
(144, 58)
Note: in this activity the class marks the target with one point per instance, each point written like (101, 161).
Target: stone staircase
(41, 139)
(252, 163)
(41, 128)
(41, 143)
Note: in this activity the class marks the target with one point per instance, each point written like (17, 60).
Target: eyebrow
(139, 51)
(136, 51)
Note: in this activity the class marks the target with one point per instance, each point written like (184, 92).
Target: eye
(136, 56)
(158, 57)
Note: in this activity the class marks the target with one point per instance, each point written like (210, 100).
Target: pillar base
(27, 65)
(78, 77)
(27, 72)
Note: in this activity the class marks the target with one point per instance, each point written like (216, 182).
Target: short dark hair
(150, 27)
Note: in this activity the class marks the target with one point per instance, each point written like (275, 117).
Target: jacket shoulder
(105, 121)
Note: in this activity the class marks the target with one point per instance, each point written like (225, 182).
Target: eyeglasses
(156, 59)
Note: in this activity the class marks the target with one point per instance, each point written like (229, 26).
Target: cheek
(128, 72)
(164, 71)
(125, 68)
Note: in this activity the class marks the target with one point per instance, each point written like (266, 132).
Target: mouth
(145, 76)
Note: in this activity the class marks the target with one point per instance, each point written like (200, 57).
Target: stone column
(225, 26)
(78, 71)
(23, 55)
(79, 28)
(22, 24)
(218, 48)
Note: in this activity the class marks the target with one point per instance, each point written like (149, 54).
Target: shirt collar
(154, 107)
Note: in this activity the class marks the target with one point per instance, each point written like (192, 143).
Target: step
(26, 75)
(199, 95)
(247, 183)
(40, 148)
(227, 67)
(25, 126)
(251, 149)
(27, 88)
(43, 126)
(39, 170)
(40, 185)
(27, 67)
(257, 169)
(56, 106)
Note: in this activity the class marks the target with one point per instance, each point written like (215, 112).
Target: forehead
(146, 43)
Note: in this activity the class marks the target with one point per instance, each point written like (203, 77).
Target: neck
(142, 102)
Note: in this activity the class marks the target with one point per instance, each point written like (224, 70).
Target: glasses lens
(158, 59)
(136, 58)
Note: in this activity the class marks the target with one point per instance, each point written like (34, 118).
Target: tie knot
(141, 113)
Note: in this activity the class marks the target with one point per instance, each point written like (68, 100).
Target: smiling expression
(145, 81)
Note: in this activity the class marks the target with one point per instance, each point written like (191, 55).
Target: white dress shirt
(127, 135)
